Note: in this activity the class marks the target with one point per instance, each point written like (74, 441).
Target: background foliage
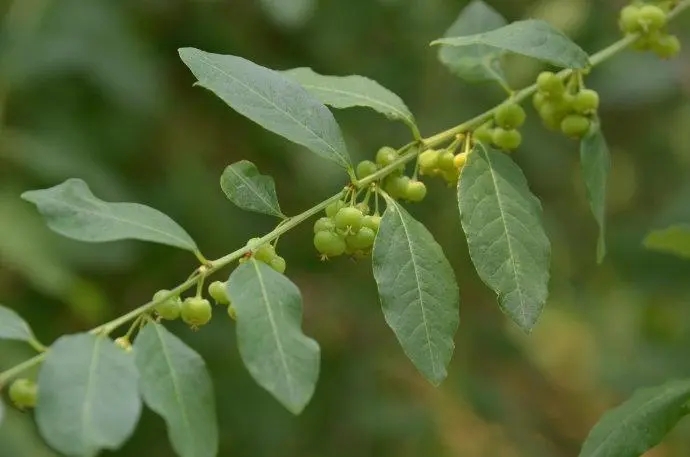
(95, 90)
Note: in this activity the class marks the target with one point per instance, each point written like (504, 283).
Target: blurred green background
(94, 89)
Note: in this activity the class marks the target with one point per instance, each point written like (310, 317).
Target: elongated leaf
(477, 62)
(531, 38)
(418, 290)
(13, 327)
(70, 209)
(176, 385)
(640, 423)
(354, 90)
(277, 354)
(247, 188)
(672, 240)
(88, 395)
(502, 221)
(596, 164)
(270, 99)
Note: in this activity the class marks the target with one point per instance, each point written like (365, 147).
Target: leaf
(474, 63)
(13, 327)
(596, 164)
(270, 99)
(502, 221)
(640, 423)
(88, 395)
(247, 188)
(418, 290)
(277, 354)
(672, 240)
(71, 210)
(531, 38)
(175, 384)
(351, 91)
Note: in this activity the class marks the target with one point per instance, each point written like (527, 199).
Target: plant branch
(408, 153)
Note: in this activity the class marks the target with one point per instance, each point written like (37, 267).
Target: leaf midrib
(86, 408)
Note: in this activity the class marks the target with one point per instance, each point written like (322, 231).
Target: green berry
(386, 155)
(510, 116)
(652, 17)
(168, 309)
(366, 168)
(265, 253)
(552, 115)
(506, 139)
(23, 393)
(372, 222)
(416, 191)
(396, 186)
(445, 161)
(550, 84)
(362, 240)
(483, 133)
(586, 102)
(278, 264)
(629, 19)
(349, 218)
(666, 46)
(254, 243)
(329, 244)
(363, 207)
(334, 207)
(428, 160)
(219, 293)
(324, 224)
(196, 311)
(459, 160)
(538, 100)
(575, 125)
(123, 343)
(232, 312)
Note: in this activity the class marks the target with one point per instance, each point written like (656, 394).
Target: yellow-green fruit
(278, 264)
(586, 102)
(538, 100)
(232, 312)
(168, 309)
(416, 191)
(366, 168)
(23, 393)
(362, 240)
(219, 293)
(551, 115)
(396, 186)
(575, 125)
(428, 160)
(265, 253)
(329, 244)
(506, 139)
(324, 223)
(196, 311)
(123, 343)
(372, 222)
(333, 208)
(445, 161)
(550, 84)
(629, 19)
(348, 218)
(666, 46)
(483, 133)
(363, 207)
(460, 160)
(652, 17)
(510, 116)
(386, 155)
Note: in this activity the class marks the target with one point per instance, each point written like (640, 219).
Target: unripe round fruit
(396, 186)
(363, 207)
(428, 160)
(538, 100)
(652, 17)
(629, 19)
(586, 101)
(506, 139)
(23, 393)
(575, 125)
(232, 312)
(445, 161)
(196, 311)
(460, 160)
(278, 264)
(333, 208)
(168, 309)
(265, 253)
(451, 176)
(551, 115)
(483, 133)
(364, 239)
(386, 155)
(329, 244)
(416, 191)
(219, 293)
(549, 83)
(348, 218)
(510, 116)
(666, 46)
(123, 343)
(324, 223)
(366, 168)
(372, 222)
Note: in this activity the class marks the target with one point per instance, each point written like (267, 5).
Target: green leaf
(478, 62)
(672, 240)
(277, 354)
(350, 91)
(640, 423)
(596, 164)
(502, 221)
(89, 395)
(175, 384)
(418, 290)
(13, 327)
(531, 38)
(71, 210)
(270, 99)
(247, 188)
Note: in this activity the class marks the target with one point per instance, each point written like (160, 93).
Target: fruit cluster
(444, 163)
(649, 20)
(265, 253)
(396, 184)
(194, 311)
(346, 229)
(502, 132)
(570, 108)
